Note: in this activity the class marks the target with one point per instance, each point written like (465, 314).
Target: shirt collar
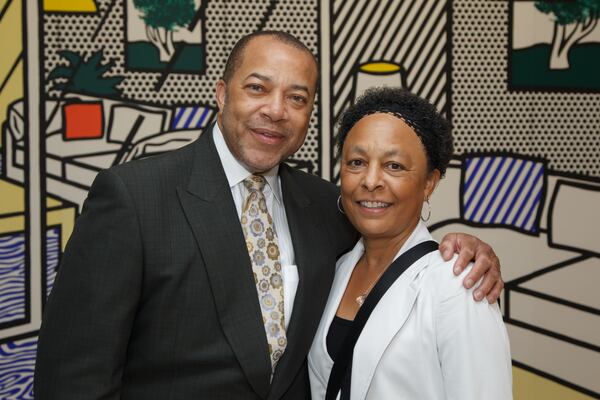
(235, 170)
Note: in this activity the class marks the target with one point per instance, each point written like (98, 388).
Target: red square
(82, 120)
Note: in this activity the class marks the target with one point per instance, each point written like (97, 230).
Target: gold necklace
(361, 299)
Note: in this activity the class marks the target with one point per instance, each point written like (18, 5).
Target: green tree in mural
(162, 18)
(581, 14)
(85, 76)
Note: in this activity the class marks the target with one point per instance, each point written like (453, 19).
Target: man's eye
(254, 87)
(299, 99)
(395, 166)
(355, 163)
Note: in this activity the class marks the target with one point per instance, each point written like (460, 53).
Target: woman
(425, 338)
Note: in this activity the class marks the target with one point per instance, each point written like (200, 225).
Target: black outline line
(21, 336)
(10, 73)
(553, 299)
(545, 270)
(133, 106)
(560, 183)
(200, 13)
(267, 15)
(128, 140)
(111, 5)
(5, 9)
(552, 334)
(555, 379)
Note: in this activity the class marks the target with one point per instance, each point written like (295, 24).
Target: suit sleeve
(88, 318)
(473, 347)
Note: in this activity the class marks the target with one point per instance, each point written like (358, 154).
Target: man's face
(265, 107)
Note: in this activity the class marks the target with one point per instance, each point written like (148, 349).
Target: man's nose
(275, 108)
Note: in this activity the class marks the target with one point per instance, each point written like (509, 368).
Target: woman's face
(384, 177)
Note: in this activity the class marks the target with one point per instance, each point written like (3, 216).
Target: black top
(338, 330)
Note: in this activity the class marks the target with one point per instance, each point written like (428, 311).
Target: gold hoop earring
(339, 204)
(428, 211)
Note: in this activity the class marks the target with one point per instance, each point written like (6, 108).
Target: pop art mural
(89, 84)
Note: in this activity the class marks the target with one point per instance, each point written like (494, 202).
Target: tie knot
(255, 183)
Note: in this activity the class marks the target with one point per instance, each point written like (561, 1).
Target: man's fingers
(449, 243)
(489, 281)
(496, 292)
(464, 258)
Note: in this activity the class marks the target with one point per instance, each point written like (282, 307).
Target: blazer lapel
(210, 210)
(315, 261)
(387, 319)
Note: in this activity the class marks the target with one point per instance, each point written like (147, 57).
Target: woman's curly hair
(433, 130)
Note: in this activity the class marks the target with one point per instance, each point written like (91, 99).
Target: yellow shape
(380, 68)
(12, 39)
(70, 6)
(12, 215)
(12, 91)
(529, 386)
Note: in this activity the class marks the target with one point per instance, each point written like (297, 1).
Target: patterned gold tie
(263, 248)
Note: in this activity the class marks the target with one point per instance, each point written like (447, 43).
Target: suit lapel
(315, 260)
(210, 210)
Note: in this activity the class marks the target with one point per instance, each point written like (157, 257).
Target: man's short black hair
(431, 127)
(235, 57)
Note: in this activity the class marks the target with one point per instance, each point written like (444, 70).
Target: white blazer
(426, 339)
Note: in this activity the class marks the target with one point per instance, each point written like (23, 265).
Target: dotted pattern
(561, 127)
(226, 22)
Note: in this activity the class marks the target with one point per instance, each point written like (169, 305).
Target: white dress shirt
(236, 173)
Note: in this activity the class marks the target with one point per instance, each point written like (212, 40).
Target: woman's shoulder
(439, 280)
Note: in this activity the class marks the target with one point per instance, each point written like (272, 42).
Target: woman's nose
(372, 179)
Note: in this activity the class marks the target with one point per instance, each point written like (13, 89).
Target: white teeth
(374, 204)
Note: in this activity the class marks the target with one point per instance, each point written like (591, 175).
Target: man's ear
(220, 94)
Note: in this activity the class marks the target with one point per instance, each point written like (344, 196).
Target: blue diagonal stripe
(190, 117)
(473, 173)
(508, 192)
(202, 117)
(498, 188)
(518, 192)
(178, 116)
(528, 195)
(479, 183)
(488, 186)
(534, 206)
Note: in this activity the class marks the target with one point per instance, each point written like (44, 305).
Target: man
(157, 296)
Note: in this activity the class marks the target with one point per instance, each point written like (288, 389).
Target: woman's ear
(432, 181)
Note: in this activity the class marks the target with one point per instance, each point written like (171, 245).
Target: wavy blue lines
(192, 117)
(503, 191)
(12, 277)
(52, 256)
(17, 364)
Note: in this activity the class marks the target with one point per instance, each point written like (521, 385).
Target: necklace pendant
(360, 299)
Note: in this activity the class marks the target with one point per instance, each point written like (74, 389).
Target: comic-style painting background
(87, 84)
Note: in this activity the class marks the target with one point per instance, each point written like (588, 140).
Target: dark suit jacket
(155, 299)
